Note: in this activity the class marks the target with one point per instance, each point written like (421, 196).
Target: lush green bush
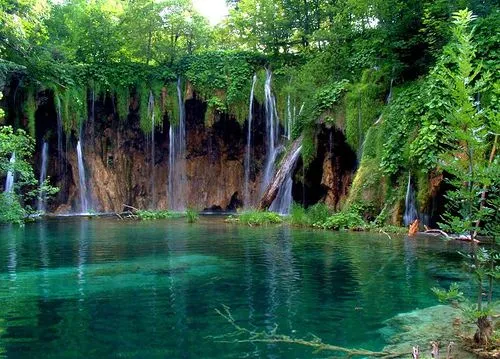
(11, 210)
(298, 215)
(344, 220)
(146, 215)
(259, 218)
(192, 216)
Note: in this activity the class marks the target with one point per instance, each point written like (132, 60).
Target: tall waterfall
(272, 132)
(151, 112)
(283, 201)
(59, 133)
(82, 180)
(289, 119)
(43, 177)
(410, 209)
(248, 152)
(9, 182)
(177, 157)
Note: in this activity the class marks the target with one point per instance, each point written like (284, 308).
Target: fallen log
(286, 166)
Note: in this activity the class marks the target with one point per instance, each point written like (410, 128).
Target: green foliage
(453, 294)
(259, 218)
(13, 207)
(122, 95)
(30, 109)
(223, 79)
(192, 216)
(363, 106)
(469, 134)
(312, 216)
(146, 215)
(11, 210)
(344, 220)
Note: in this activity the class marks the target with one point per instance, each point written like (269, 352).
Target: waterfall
(151, 112)
(410, 209)
(9, 182)
(59, 133)
(43, 177)
(177, 157)
(84, 204)
(283, 201)
(246, 198)
(272, 129)
(289, 119)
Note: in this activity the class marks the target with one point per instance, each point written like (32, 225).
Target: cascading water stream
(9, 182)
(82, 180)
(43, 177)
(59, 134)
(289, 119)
(248, 152)
(283, 201)
(177, 157)
(151, 112)
(410, 214)
(272, 132)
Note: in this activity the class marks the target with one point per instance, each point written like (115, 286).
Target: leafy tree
(470, 134)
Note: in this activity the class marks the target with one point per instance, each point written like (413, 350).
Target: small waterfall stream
(283, 201)
(9, 182)
(43, 176)
(82, 180)
(272, 132)
(177, 157)
(59, 133)
(410, 214)
(248, 152)
(151, 112)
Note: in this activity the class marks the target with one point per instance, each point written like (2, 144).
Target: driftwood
(244, 335)
(286, 166)
(438, 232)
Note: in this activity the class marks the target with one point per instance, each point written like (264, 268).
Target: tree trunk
(286, 166)
(484, 331)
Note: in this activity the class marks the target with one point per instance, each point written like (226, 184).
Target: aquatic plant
(146, 215)
(192, 215)
(259, 218)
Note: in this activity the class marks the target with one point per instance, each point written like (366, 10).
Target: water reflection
(97, 288)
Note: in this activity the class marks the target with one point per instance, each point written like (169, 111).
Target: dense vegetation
(383, 72)
(414, 86)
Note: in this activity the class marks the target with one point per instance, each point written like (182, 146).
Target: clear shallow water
(103, 288)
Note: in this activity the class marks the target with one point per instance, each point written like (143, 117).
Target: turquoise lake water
(80, 288)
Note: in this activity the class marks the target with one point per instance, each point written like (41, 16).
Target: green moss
(363, 106)
(30, 109)
(172, 103)
(123, 102)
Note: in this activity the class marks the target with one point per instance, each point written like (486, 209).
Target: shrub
(258, 218)
(145, 215)
(343, 220)
(192, 215)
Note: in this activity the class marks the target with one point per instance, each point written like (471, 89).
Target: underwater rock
(441, 323)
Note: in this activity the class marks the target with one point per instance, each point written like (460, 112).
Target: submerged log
(286, 166)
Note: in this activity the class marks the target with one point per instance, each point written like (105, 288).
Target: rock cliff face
(119, 167)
